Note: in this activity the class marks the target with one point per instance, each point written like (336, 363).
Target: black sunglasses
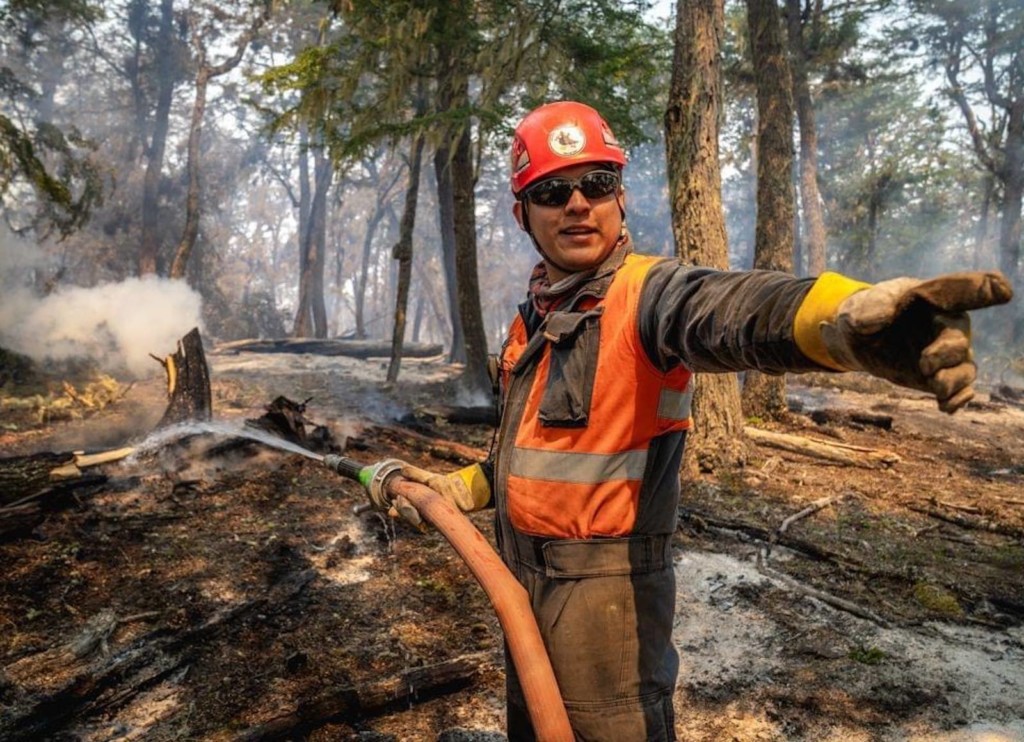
(558, 191)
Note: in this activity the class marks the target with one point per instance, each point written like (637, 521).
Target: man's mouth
(579, 230)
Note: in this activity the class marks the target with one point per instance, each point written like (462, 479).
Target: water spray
(384, 483)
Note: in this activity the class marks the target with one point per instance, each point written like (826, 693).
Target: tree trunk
(1013, 193)
(815, 235)
(698, 222)
(311, 317)
(402, 252)
(475, 378)
(324, 176)
(192, 213)
(364, 270)
(204, 74)
(446, 219)
(982, 249)
(302, 326)
(150, 243)
(765, 396)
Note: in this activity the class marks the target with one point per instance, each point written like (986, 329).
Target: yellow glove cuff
(821, 305)
(476, 482)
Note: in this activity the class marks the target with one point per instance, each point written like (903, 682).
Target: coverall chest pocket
(574, 338)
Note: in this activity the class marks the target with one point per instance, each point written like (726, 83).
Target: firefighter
(595, 381)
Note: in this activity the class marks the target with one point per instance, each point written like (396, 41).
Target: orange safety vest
(585, 481)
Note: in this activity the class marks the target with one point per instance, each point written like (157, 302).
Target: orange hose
(510, 601)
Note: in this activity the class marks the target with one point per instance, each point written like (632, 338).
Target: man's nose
(577, 202)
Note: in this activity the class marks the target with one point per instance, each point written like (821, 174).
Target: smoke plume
(115, 325)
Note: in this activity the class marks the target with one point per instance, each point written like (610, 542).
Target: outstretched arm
(912, 332)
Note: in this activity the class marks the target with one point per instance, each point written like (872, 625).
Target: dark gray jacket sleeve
(710, 320)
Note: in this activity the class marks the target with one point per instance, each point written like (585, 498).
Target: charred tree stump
(188, 383)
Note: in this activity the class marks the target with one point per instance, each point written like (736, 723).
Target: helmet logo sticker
(567, 140)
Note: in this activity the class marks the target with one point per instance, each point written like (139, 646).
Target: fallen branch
(976, 524)
(838, 453)
(832, 600)
(372, 698)
(814, 507)
(758, 533)
(962, 508)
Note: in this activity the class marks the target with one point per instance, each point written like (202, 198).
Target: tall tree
(765, 396)
(168, 71)
(814, 234)
(385, 183)
(698, 223)
(403, 249)
(980, 46)
(311, 312)
(203, 28)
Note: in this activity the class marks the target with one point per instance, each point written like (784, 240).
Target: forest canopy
(262, 151)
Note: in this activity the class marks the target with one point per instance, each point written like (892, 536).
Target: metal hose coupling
(376, 485)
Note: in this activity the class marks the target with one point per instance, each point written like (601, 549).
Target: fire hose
(384, 482)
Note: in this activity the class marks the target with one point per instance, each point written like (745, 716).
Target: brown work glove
(915, 333)
(467, 489)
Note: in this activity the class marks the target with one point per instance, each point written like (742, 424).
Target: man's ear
(517, 212)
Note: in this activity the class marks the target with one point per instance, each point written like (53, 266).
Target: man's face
(580, 234)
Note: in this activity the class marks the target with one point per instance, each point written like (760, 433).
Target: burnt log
(851, 418)
(1006, 394)
(330, 347)
(25, 477)
(371, 698)
(21, 476)
(188, 383)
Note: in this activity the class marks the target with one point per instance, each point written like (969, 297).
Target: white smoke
(116, 325)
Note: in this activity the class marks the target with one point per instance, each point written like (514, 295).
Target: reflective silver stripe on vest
(581, 468)
(675, 405)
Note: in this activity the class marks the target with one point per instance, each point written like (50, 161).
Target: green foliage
(16, 14)
(35, 156)
(937, 599)
(867, 655)
(893, 183)
(356, 86)
(66, 191)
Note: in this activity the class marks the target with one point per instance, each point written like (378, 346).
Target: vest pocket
(575, 339)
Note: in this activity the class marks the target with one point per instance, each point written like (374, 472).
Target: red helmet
(558, 135)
